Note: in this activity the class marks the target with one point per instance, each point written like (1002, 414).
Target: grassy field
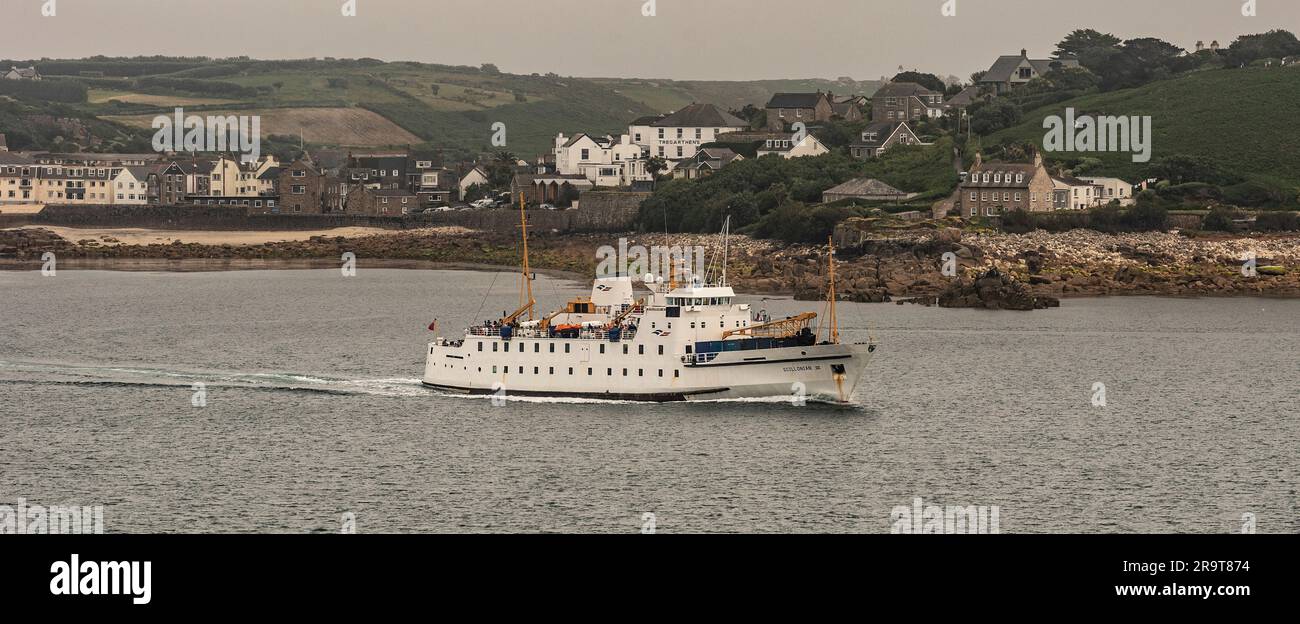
(101, 96)
(1244, 120)
(355, 127)
(458, 116)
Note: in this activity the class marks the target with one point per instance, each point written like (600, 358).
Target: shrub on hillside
(1277, 222)
(1219, 220)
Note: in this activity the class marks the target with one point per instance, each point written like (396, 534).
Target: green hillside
(447, 107)
(1242, 120)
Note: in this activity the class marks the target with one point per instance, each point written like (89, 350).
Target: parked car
(443, 209)
(547, 207)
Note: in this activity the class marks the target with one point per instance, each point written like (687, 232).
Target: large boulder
(993, 290)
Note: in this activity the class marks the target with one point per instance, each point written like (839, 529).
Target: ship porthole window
(661, 352)
(535, 370)
(625, 372)
(609, 372)
(661, 372)
(537, 347)
(494, 347)
(639, 372)
(624, 349)
(588, 372)
(570, 370)
(602, 348)
(550, 370)
(566, 347)
(521, 370)
(480, 345)
(677, 373)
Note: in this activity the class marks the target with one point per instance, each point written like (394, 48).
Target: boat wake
(108, 375)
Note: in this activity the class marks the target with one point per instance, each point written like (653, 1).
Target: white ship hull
(545, 367)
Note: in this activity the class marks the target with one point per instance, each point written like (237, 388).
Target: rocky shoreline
(924, 262)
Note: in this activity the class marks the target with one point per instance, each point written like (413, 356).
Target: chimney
(1038, 160)
(979, 160)
(1024, 53)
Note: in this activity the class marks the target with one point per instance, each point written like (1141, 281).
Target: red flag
(434, 325)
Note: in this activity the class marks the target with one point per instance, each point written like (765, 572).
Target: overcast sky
(686, 39)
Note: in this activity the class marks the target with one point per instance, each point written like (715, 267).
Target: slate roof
(866, 187)
(1003, 68)
(903, 89)
(1005, 180)
(795, 100)
(883, 130)
(701, 116)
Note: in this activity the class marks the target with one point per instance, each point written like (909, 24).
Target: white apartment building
(679, 135)
(1107, 190)
(605, 161)
(130, 186)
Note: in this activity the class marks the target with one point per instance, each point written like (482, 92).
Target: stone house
(785, 109)
(301, 188)
(904, 101)
(995, 188)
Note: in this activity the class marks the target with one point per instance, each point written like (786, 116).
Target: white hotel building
(675, 137)
(605, 161)
(679, 135)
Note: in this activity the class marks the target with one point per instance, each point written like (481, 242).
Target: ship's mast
(726, 233)
(834, 322)
(526, 286)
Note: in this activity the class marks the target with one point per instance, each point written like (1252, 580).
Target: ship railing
(584, 334)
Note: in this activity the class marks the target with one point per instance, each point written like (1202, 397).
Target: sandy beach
(143, 236)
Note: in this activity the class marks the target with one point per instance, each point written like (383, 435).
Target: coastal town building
(301, 188)
(17, 179)
(1079, 194)
(848, 108)
(789, 145)
(475, 175)
(381, 201)
(707, 161)
(1106, 190)
(605, 161)
(992, 189)
(130, 186)
(547, 188)
(785, 109)
(677, 136)
(21, 73)
(867, 189)
(878, 137)
(4, 143)
(903, 101)
(1009, 72)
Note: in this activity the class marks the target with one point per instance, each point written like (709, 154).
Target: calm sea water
(314, 409)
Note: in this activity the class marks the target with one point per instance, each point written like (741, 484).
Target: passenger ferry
(685, 341)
